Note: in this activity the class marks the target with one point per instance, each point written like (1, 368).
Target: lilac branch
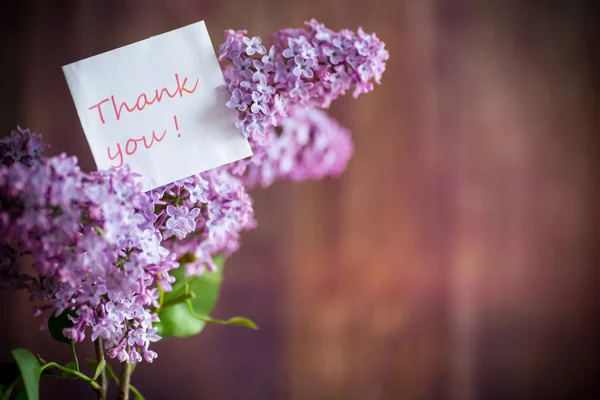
(99, 347)
(124, 381)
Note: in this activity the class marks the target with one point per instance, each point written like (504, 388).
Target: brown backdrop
(455, 259)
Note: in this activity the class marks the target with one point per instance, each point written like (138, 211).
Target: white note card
(158, 106)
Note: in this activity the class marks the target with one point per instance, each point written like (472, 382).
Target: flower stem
(102, 377)
(75, 357)
(72, 372)
(111, 375)
(124, 381)
(161, 294)
(177, 300)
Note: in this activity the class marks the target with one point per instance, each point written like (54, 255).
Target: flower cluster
(100, 246)
(302, 67)
(308, 145)
(21, 146)
(95, 254)
(202, 216)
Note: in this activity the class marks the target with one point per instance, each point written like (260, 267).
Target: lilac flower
(321, 32)
(243, 68)
(355, 60)
(181, 221)
(92, 247)
(264, 88)
(261, 70)
(295, 47)
(260, 103)
(363, 48)
(366, 70)
(247, 84)
(335, 56)
(253, 126)
(301, 89)
(270, 57)
(339, 81)
(311, 146)
(279, 109)
(227, 212)
(343, 43)
(310, 67)
(198, 191)
(21, 146)
(282, 71)
(239, 100)
(250, 125)
(224, 210)
(232, 47)
(303, 67)
(254, 45)
(362, 87)
(307, 51)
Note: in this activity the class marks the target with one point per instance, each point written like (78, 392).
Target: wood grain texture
(455, 259)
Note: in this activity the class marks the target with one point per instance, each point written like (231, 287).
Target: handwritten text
(143, 100)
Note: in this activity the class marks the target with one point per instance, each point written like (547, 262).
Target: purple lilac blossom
(311, 145)
(21, 146)
(308, 67)
(94, 252)
(239, 100)
(254, 46)
(221, 210)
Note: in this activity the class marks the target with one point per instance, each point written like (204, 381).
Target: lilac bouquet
(104, 260)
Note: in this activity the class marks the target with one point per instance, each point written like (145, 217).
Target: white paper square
(207, 136)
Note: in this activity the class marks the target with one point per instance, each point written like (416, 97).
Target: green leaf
(67, 375)
(30, 372)
(176, 320)
(111, 374)
(239, 321)
(99, 368)
(22, 395)
(57, 324)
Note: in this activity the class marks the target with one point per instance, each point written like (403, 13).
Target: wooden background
(455, 259)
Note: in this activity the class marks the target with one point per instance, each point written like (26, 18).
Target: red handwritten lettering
(142, 100)
(131, 146)
(119, 154)
(129, 141)
(145, 103)
(119, 110)
(181, 88)
(159, 95)
(154, 138)
(99, 109)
